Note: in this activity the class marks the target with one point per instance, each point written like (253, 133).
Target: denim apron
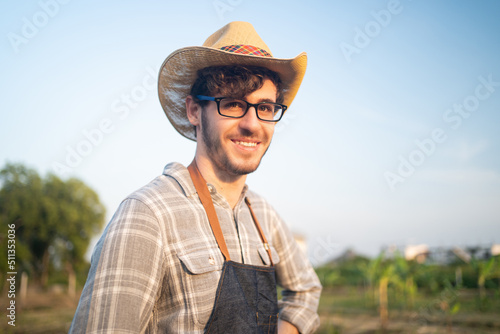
(246, 298)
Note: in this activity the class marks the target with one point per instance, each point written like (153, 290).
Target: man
(195, 251)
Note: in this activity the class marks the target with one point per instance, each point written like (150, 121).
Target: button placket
(239, 227)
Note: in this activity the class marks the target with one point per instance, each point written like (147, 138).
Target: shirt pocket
(200, 275)
(202, 260)
(265, 257)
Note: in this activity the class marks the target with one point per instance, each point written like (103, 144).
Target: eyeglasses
(235, 108)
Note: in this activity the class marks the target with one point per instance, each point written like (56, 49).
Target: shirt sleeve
(295, 274)
(125, 274)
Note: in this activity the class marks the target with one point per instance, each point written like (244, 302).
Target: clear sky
(393, 138)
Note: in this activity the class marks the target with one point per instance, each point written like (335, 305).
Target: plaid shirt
(157, 265)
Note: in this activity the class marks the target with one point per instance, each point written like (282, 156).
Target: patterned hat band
(246, 49)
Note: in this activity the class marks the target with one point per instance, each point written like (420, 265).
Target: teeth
(245, 143)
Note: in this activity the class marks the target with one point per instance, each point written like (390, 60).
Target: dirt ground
(41, 312)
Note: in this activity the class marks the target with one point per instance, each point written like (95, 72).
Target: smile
(245, 143)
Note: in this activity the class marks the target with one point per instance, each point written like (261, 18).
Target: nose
(250, 121)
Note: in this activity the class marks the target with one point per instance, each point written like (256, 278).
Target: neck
(228, 185)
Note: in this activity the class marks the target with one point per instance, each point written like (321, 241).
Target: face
(236, 145)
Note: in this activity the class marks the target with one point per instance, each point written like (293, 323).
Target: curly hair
(235, 81)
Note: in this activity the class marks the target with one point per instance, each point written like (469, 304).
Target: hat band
(246, 49)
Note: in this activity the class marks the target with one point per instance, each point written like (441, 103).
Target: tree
(54, 220)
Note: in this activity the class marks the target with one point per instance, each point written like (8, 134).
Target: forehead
(268, 91)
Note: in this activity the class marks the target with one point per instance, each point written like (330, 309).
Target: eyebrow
(264, 100)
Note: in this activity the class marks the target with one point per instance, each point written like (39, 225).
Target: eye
(233, 104)
(267, 108)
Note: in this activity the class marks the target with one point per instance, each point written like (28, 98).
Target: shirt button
(211, 261)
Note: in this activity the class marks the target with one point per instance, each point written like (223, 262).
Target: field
(342, 311)
(352, 311)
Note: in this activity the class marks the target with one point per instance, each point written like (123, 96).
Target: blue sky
(393, 138)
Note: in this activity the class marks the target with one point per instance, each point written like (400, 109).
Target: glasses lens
(270, 111)
(232, 108)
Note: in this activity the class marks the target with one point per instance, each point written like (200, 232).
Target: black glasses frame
(254, 105)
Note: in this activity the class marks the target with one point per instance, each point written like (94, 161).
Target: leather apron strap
(206, 200)
(261, 233)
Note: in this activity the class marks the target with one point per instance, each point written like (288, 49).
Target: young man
(195, 251)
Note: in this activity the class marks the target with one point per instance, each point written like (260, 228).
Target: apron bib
(246, 300)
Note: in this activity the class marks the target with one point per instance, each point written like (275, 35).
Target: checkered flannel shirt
(157, 265)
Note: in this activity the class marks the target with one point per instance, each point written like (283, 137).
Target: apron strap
(261, 233)
(206, 200)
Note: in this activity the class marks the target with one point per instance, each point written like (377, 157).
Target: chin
(243, 168)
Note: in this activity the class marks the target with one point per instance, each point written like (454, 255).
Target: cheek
(206, 123)
(269, 129)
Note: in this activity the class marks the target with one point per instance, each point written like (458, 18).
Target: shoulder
(174, 182)
(155, 204)
(146, 211)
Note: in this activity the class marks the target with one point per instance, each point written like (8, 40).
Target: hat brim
(178, 73)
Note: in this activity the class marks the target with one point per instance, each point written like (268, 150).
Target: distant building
(495, 250)
(462, 254)
(443, 255)
(418, 253)
(440, 255)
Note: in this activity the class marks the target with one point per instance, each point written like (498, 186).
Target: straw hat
(237, 43)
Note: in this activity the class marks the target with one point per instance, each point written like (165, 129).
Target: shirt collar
(180, 173)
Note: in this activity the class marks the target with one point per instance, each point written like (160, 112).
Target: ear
(193, 111)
